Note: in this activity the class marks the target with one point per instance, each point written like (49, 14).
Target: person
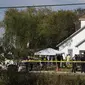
(78, 58)
(31, 64)
(26, 63)
(42, 63)
(83, 64)
(74, 64)
(59, 58)
(67, 59)
(54, 60)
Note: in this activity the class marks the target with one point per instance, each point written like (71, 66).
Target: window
(70, 51)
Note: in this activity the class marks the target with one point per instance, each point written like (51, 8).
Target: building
(75, 43)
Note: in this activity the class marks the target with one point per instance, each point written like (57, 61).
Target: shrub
(26, 78)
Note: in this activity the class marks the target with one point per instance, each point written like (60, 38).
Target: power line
(43, 5)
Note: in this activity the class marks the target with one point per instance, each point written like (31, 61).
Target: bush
(25, 78)
(12, 68)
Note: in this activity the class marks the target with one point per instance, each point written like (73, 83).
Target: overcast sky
(38, 2)
(35, 2)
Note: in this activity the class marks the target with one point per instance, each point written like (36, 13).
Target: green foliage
(56, 26)
(40, 27)
(42, 79)
(1, 24)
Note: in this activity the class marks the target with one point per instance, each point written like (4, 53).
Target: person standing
(68, 57)
(74, 64)
(83, 63)
(59, 58)
(26, 63)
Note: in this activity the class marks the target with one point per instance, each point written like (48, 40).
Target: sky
(38, 2)
(5, 3)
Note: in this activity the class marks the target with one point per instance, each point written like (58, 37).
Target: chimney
(82, 21)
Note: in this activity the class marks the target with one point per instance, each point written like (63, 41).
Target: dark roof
(80, 43)
(75, 33)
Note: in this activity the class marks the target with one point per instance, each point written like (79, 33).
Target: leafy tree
(1, 24)
(79, 12)
(20, 27)
(56, 26)
(40, 28)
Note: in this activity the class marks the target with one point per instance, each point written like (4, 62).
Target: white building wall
(71, 43)
(75, 51)
(65, 50)
(82, 24)
(82, 46)
(78, 38)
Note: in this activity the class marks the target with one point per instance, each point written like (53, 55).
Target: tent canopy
(48, 51)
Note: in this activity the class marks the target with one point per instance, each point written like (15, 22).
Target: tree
(56, 26)
(40, 27)
(20, 27)
(1, 24)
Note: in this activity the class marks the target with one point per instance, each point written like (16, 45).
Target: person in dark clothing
(31, 66)
(78, 65)
(43, 63)
(26, 63)
(83, 64)
(54, 63)
(59, 58)
(74, 64)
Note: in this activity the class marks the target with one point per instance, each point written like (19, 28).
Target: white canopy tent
(48, 51)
